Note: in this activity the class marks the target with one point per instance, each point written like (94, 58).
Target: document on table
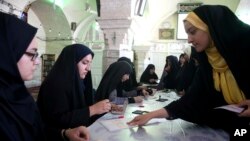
(232, 108)
(121, 123)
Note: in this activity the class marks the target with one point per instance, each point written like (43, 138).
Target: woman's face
(125, 77)
(168, 67)
(182, 59)
(29, 61)
(84, 65)
(151, 71)
(199, 38)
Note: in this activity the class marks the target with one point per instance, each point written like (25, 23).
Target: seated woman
(131, 86)
(64, 99)
(149, 76)
(19, 116)
(111, 87)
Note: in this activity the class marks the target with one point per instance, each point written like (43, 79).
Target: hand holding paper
(232, 108)
(246, 112)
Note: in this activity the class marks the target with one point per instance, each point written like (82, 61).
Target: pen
(116, 117)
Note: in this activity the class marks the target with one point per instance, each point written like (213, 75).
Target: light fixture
(139, 7)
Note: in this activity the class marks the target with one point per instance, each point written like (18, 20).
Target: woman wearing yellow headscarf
(221, 41)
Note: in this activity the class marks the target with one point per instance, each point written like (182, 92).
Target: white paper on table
(118, 124)
(115, 124)
(232, 108)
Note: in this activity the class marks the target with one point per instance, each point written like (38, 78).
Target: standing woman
(63, 99)
(222, 77)
(19, 116)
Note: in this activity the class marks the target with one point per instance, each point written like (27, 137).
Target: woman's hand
(143, 119)
(80, 133)
(116, 108)
(144, 92)
(245, 104)
(138, 99)
(100, 107)
(140, 120)
(152, 80)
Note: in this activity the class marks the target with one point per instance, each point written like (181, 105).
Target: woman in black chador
(168, 80)
(149, 76)
(19, 116)
(65, 98)
(111, 85)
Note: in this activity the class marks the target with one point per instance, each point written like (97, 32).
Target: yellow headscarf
(223, 78)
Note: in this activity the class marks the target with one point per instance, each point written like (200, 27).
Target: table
(170, 130)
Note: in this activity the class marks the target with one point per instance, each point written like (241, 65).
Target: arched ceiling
(53, 21)
(56, 15)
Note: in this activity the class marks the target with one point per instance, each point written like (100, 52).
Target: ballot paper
(232, 108)
(121, 123)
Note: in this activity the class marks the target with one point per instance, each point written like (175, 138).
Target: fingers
(132, 122)
(102, 107)
(145, 93)
(105, 100)
(80, 133)
(85, 134)
(244, 103)
(138, 99)
(106, 105)
(245, 113)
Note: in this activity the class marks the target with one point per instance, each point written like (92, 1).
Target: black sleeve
(53, 134)
(198, 100)
(62, 110)
(144, 78)
(131, 100)
(185, 76)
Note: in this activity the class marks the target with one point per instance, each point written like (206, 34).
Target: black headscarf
(170, 78)
(132, 83)
(112, 78)
(146, 75)
(63, 99)
(186, 73)
(19, 117)
(232, 40)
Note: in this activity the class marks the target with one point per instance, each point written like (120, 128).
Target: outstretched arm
(143, 119)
